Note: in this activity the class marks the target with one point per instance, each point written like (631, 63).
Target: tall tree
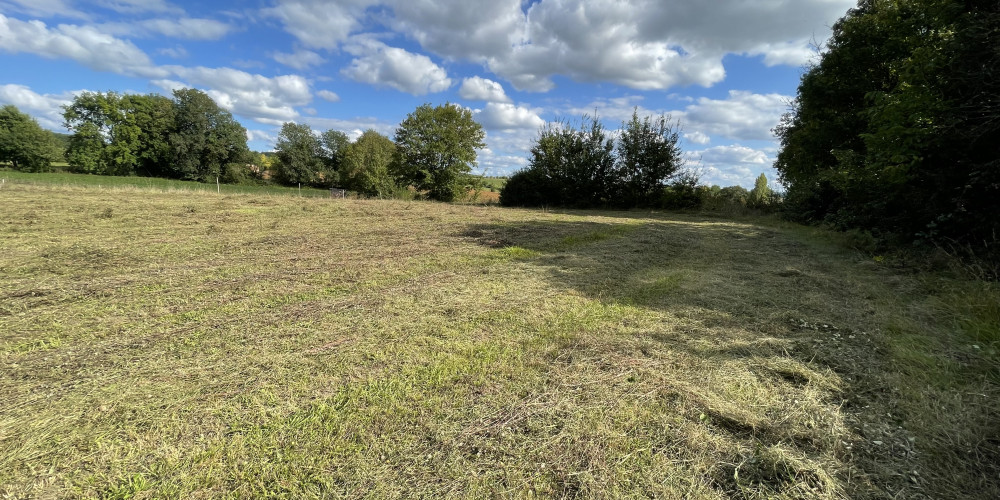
(648, 156)
(895, 128)
(335, 143)
(23, 143)
(436, 149)
(300, 156)
(153, 115)
(206, 139)
(107, 134)
(366, 165)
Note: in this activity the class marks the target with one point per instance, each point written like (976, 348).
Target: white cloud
(380, 65)
(482, 89)
(42, 8)
(264, 99)
(320, 24)
(328, 96)
(732, 165)
(83, 44)
(46, 108)
(461, 29)
(139, 6)
(506, 116)
(742, 116)
(261, 135)
(185, 28)
(698, 138)
(300, 59)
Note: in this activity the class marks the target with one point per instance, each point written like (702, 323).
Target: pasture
(177, 344)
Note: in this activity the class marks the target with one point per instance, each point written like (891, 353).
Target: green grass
(180, 344)
(68, 179)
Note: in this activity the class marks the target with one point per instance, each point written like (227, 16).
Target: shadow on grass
(789, 313)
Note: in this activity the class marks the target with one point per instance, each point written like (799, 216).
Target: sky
(726, 70)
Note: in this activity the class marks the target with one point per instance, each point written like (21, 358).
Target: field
(153, 183)
(177, 344)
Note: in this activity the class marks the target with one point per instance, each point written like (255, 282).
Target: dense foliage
(189, 137)
(23, 143)
(366, 165)
(896, 128)
(587, 166)
(300, 157)
(436, 149)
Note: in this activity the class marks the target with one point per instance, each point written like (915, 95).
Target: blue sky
(725, 69)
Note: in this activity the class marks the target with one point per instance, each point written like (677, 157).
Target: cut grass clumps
(174, 344)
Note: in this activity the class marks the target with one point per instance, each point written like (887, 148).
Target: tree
(24, 143)
(105, 130)
(436, 148)
(648, 156)
(577, 166)
(760, 195)
(205, 139)
(334, 143)
(154, 116)
(895, 128)
(367, 165)
(299, 156)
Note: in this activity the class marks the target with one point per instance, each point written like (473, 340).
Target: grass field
(176, 344)
(151, 183)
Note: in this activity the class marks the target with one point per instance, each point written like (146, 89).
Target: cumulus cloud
(482, 89)
(381, 65)
(83, 44)
(506, 116)
(300, 59)
(46, 108)
(263, 99)
(461, 29)
(698, 138)
(743, 116)
(732, 165)
(317, 23)
(328, 96)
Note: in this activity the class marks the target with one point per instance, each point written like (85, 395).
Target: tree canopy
(436, 149)
(895, 129)
(25, 144)
(586, 166)
(187, 137)
(300, 157)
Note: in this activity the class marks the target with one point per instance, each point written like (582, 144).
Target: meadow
(163, 343)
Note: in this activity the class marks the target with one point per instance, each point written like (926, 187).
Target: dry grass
(193, 345)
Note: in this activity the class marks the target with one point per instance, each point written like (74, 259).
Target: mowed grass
(191, 345)
(153, 183)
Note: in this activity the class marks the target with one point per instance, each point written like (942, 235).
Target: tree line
(190, 137)
(895, 130)
(586, 166)
(433, 153)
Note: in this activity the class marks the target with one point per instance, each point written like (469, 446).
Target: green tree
(299, 156)
(648, 156)
(154, 116)
(367, 165)
(108, 133)
(23, 143)
(335, 143)
(895, 128)
(760, 195)
(206, 139)
(436, 148)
